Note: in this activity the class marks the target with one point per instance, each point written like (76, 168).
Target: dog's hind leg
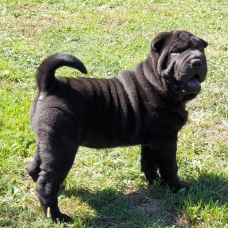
(58, 138)
(34, 166)
(57, 159)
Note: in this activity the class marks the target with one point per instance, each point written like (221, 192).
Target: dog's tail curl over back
(45, 75)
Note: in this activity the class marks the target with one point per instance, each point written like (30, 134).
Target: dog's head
(180, 61)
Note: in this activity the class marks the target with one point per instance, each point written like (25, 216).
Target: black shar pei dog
(145, 105)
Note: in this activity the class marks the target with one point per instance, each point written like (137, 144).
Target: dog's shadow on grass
(153, 206)
(127, 208)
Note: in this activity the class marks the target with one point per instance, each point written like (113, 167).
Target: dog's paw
(57, 216)
(175, 188)
(64, 218)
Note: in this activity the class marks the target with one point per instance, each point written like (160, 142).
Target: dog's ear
(196, 39)
(203, 42)
(159, 40)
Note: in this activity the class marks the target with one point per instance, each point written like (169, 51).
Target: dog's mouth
(194, 81)
(186, 87)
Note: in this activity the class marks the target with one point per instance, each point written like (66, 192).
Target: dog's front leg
(165, 152)
(149, 163)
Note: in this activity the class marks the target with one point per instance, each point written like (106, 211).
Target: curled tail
(45, 75)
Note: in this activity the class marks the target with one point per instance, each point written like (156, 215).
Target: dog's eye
(174, 53)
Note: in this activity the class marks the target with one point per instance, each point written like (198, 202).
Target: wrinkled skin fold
(143, 106)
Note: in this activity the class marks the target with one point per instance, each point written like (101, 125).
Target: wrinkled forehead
(182, 40)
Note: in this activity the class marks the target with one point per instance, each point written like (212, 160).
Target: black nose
(196, 62)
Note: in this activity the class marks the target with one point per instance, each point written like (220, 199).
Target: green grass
(105, 188)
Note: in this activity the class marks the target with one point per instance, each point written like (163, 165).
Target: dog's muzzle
(190, 70)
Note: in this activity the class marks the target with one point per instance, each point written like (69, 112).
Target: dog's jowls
(143, 106)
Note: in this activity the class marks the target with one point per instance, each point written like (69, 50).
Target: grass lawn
(105, 188)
